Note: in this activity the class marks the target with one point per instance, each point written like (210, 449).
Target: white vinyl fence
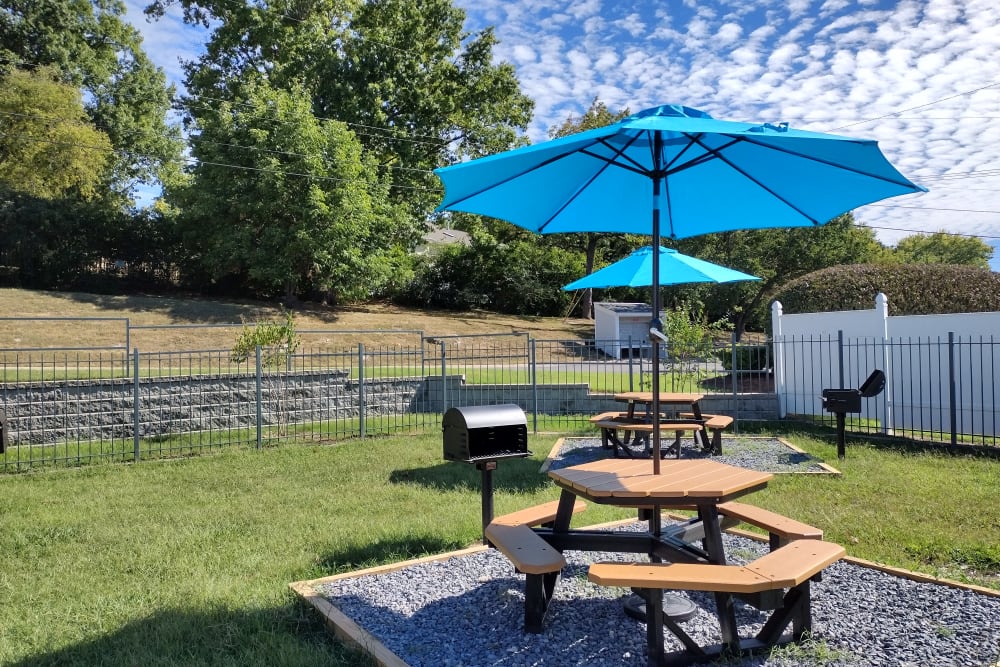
(941, 370)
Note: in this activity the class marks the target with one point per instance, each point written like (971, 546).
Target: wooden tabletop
(680, 481)
(665, 397)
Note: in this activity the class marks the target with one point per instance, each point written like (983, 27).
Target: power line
(200, 140)
(198, 161)
(408, 137)
(921, 232)
(437, 143)
(390, 133)
(919, 106)
(935, 208)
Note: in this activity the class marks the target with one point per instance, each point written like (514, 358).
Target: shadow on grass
(289, 635)
(516, 475)
(361, 557)
(891, 443)
(197, 308)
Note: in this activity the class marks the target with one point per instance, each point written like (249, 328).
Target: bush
(912, 289)
(519, 278)
(277, 342)
(748, 357)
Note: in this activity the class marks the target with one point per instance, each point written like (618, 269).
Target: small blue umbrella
(677, 169)
(636, 270)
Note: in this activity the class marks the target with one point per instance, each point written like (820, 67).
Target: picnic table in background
(635, 423)
(678, 401)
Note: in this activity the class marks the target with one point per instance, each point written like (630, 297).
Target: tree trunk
(739, 325)
(587, 302)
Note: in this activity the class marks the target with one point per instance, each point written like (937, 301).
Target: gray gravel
(468, 611)
(769, 454)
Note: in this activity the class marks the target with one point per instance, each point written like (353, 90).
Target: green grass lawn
(186, 562)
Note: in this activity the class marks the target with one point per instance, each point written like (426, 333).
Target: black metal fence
(81, 405)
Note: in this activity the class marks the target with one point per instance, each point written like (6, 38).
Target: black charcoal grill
(842, 401)
(483, 435)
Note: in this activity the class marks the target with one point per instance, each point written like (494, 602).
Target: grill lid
(484, 416)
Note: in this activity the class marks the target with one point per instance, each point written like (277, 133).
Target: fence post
(840, 355)
(732, 377)
(423, 341)
(953, 407)
(259, 372)
(128, 341)
(631, 365)
(135, 405)
(444, 378)
(533, 365)
(361, 390)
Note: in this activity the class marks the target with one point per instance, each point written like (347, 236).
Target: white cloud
(728, 33)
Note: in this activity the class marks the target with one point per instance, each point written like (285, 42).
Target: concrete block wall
(42, 413)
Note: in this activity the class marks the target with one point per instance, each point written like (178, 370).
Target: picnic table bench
(637, 431)
(789, 567)
(512, 535)
(716, 424)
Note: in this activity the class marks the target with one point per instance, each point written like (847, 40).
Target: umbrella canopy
(636, 270)
(698, 174)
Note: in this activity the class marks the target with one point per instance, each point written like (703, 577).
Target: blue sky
(922, 78)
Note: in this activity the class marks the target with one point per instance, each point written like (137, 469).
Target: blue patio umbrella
(636, 270)
(677, 171)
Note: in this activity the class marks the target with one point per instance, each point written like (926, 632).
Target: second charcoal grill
(842, 401)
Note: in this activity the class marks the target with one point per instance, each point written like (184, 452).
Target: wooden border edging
(356, 637)
(344, 627)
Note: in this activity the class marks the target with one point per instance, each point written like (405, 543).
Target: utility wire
(919, 106)
(198, 161)
(255, 149)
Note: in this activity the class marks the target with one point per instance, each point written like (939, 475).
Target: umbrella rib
(756, 181)
(634, 166)
(495, 184)
(607, 163)
(830, 163)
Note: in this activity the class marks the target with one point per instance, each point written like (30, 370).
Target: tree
(53, 163)
(417, 90)
(284, 201)
(777, 256)
(48, 147)
(942, 248)
(92, 48)
(590, 243)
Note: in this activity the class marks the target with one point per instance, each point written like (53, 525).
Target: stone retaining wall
(39, 413)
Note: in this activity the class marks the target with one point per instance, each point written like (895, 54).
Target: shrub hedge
(912, 289)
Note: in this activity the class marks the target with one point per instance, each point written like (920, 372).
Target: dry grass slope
(161, 310)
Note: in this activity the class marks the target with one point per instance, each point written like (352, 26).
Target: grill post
(841, 435)
(487, 468)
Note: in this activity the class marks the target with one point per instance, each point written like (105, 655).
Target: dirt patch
(746, 383)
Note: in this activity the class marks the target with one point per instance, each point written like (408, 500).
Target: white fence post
(779, 357)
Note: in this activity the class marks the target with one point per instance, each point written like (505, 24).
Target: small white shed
(615, 323)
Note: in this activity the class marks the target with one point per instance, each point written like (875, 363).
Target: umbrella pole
(656, 324)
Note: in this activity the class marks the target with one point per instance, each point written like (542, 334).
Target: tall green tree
(591, 244)
(776, 256)
(941, 248)
(93, 48)
(53, 164)
(283, 201)
(418, 90)
(48, 146)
